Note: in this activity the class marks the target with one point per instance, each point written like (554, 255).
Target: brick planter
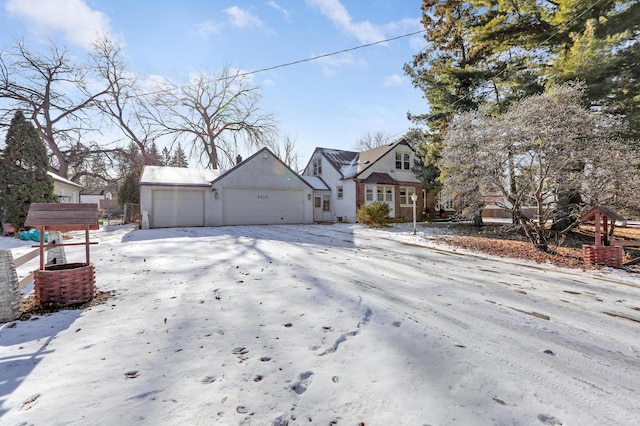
(602, 255)
(65, 284)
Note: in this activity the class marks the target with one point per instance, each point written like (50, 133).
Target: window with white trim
(368, 194)
(405, 195)
(340, 192)
(403, 161)
(317, 167)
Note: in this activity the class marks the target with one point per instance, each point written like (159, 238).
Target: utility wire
(288, 64)
(313, 58)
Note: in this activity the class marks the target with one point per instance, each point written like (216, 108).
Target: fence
(10, 286)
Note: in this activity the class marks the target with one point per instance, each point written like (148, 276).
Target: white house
(356, 178)
(66, 190)
(260, 190)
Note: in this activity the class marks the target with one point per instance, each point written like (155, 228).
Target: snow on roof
(315, 182)
(60, 179)
(160, 175)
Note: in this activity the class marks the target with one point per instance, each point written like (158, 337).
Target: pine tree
(23, 172)
(179, 158)
(165, 157)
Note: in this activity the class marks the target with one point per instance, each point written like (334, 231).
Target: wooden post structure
(601, 252)
(68, 283)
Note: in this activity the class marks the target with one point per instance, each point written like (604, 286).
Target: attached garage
(261, 190)
(261, 206)
(172, 197)
(175, 208)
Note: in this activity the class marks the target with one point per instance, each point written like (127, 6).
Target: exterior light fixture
(309, 196)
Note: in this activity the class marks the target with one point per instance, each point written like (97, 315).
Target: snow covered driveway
(339, 324)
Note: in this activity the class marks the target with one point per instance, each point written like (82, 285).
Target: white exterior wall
(62, 189)
(263, 171)
(387, 164)
(91, 199)
(146, 201)
(346, 207)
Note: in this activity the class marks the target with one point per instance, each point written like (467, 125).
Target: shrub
(374, 214)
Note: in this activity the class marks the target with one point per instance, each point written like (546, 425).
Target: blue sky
(330, 102)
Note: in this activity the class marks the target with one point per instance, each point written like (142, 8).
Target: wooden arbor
(602, 252)
(69, 283)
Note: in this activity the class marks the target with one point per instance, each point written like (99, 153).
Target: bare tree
(540, 147)
(56, 93)
(124, 103)
(286, 151)
(215, 114)
(369, 141)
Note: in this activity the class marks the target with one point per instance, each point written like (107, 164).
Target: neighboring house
(107, 205)
(95, 196)
(66, 190)
(357, 178)
(260, 190)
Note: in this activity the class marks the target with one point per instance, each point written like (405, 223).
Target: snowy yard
(325, 324)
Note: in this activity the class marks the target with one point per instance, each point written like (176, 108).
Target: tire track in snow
(447, 316)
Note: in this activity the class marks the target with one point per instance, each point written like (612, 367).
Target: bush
(374, 214)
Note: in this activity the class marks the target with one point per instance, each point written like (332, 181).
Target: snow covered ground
(325, 324)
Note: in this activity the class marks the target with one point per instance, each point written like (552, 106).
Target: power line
(300, 61)
(313, 58)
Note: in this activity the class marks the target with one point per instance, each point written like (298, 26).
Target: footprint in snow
(302, 385)
(549, 420)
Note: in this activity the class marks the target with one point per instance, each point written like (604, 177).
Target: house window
(405, 195)
(403, 161)
(368, 190)
(340, 193)
(317, 202)
(317, 167)
(444, 202)
(380, 193)
(325, 203)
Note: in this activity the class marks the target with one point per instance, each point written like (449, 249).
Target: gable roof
(248, 160)
(350, 163)
(61, 180)
(177, 176)
(370, 157)
(345, 162)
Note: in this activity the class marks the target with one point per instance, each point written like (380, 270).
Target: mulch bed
(509, 241)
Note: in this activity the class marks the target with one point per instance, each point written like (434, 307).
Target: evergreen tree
(179, 158)
(23, 172)
(129, 192)
(165, 157)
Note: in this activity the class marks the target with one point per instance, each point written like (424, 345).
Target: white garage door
(251, 206)
(178, 208)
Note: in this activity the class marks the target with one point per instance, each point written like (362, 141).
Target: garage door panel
(178, 208)
(250, 206)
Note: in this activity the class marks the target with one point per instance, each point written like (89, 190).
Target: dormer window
(403, 161)
(317, 167)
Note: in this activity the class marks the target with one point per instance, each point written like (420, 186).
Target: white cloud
(205, 29)
(79, 24)
(394, 80)
(364, 31)
(242, 18)
(285, 12)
